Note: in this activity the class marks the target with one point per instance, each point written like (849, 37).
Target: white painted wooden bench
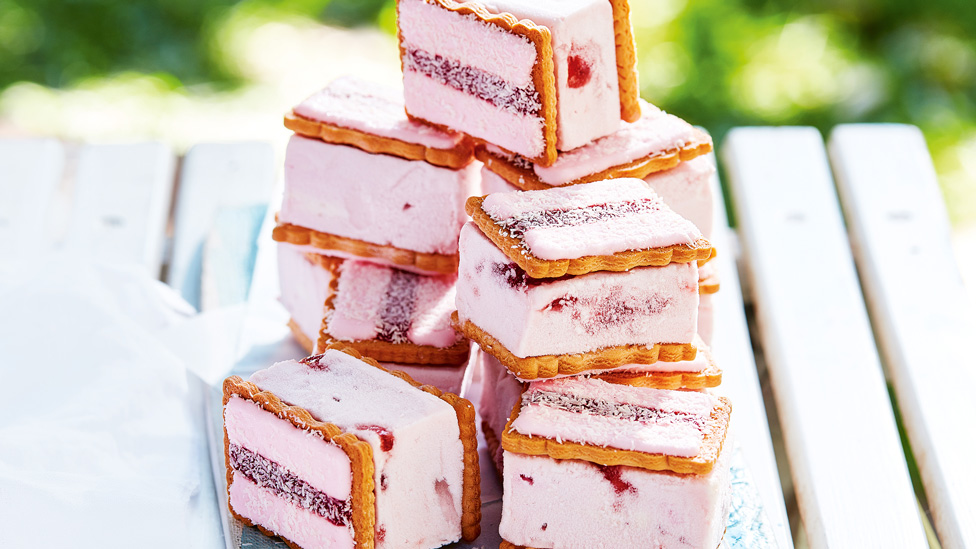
(830, 349)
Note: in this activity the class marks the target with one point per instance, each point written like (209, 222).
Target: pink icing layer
(643, 306)
(599, 414)
(321, 464)
(446, 106)
(377, 198)
(655, 133)
(687, 189)
(481, 45)
(508, 205)
(600, 218)
(585, 63)
(376, 302)
(303, 527)
(350, 102)
(554, 503)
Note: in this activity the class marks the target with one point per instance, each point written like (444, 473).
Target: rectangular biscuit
(613, 424)
(370, 117)
(612, 225)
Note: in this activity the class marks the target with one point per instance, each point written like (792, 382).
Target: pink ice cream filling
(465, 73)
(599, 218)
(391, 305)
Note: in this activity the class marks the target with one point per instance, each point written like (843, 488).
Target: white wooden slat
(229, 256)
(902, 246)
(121, 203)
(852, 483)
(732, 351)
(214, 176)
(30, 172)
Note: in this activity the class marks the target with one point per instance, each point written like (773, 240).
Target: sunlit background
(186, 71)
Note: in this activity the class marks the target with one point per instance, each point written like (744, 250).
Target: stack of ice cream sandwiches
(519, 179)
(578, 282)
(368, 230)
(584, 300)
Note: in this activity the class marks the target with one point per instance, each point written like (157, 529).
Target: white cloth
(102, 439)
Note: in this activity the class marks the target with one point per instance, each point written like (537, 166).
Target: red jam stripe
(483, 85)
(396, 312)
(284, 484)
(631, 412)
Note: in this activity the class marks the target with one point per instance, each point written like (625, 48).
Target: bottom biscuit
(538, 367)
(300, 337)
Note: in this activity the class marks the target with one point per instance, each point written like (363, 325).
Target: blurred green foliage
(718, 63)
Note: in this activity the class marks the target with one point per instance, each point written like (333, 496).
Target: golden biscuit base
(383, 351)
(455, 158)
(543, 72)
(519, 172)
(300, 337)
(711, 376)
(547, 366)
(628, 83)
(701, 464)
(398, 257)
(708, 285)
(700, 251)
(471, 489)
(360, 453)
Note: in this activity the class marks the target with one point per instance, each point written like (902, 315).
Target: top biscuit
(657, 141)
(371, 117)
(612, 225)
(584, 418)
